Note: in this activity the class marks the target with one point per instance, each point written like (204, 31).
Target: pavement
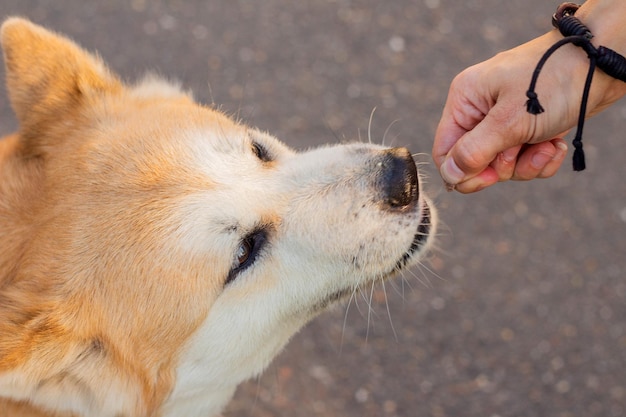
(521, 311)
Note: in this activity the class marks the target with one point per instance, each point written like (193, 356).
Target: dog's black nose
(398, 178)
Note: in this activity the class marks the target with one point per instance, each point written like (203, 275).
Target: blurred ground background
(522, 311)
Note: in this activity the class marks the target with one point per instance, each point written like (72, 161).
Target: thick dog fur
(155, 253)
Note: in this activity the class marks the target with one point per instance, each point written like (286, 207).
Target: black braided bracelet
(609, 61)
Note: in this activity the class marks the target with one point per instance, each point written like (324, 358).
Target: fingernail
(561, 150)
(540, 160)
(510, 155)
(450, 172)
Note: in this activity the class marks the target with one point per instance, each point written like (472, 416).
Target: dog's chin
(419, 241)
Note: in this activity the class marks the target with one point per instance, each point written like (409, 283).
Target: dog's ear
(48, 76)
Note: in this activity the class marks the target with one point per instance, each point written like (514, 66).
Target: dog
(155, 253)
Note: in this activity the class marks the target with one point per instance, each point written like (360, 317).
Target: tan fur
(42, 317)
(102, 282)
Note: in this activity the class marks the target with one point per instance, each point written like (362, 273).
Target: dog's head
(158, 252)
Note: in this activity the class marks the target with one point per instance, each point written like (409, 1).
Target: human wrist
(609, 84)
(606, 21)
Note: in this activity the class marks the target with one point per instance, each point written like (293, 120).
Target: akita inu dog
(155, 253)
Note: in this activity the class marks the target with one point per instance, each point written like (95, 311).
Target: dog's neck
(211, 368)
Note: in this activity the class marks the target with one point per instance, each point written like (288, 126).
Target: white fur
(328, 218)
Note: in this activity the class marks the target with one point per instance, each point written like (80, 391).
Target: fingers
(541, 160)
(485, 179)
(502, 168)
(505, 162)
(494, 142)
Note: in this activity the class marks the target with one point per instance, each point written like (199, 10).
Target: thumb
(477, 148)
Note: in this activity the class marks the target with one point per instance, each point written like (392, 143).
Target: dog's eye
(247, 253)
(261, 152)
(244, 251)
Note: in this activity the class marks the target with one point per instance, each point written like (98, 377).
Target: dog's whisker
(257, 393)
(211, 95)
(387, 130)
(333, 132)
(370, 310)
(422, 279)
(369, 127)
(399, 286)
(345, 316)
(422, 265)
(371, 303)
(394, 139)
(240, 104)
(393, 329)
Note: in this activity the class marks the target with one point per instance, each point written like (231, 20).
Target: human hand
(486, 135)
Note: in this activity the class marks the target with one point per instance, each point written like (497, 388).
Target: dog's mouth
(419, 240)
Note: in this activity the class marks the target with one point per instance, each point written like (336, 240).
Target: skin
(485, 134)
